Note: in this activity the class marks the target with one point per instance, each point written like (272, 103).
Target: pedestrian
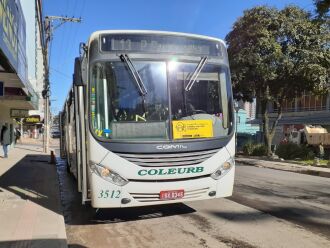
(5, 140)
(17, 135)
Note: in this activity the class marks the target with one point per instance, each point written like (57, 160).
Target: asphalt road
(212, 223)
(301, 199)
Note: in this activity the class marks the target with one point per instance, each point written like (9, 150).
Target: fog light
(212, 193)
(217, 173)
(125, 200)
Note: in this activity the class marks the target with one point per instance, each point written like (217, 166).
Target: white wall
(29, 14)
(34, 51)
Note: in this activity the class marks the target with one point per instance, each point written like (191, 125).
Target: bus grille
(153, 197)
(168, 159)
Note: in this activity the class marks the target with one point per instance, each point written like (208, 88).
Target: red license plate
(171, 194)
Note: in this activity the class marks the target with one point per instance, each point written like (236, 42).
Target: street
(301, 199)
(235, 222)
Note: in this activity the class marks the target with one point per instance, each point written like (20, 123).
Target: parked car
(55, 134)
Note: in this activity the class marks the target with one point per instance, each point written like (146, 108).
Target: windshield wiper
(135, 74)
(196, 72)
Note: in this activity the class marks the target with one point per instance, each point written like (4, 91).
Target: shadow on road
(298, 215)
(36, 243)
(77, 214)
(76, 246)
(276, 190)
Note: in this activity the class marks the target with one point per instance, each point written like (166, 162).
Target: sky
(205, 17)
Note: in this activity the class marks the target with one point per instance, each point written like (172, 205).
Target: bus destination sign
(160, 44)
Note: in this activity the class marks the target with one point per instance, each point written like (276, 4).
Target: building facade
(34, 42)
(309, 109)
(250, 108)
(34, 51)
(245, 114)
(243, 125)
(18, 94)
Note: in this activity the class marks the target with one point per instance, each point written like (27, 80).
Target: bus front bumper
(107, 195)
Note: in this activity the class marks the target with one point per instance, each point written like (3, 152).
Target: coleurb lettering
(170, 171)
(152, 172)
(191, 170)
(183, 170)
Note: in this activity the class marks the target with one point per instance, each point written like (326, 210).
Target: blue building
(243, 125)
(246, 132)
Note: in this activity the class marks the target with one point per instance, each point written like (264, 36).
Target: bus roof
(96, 34)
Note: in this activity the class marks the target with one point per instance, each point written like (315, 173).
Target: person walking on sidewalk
(17, 135)
(5, 140)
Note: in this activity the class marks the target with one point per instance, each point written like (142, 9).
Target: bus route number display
(192, 129)
(160, 44)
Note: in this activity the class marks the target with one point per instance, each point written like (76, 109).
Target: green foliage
(252, 149)
(259, 150)
(322, 7)
(292, 151)
(248, 149)
(282, 50)
(277, 55)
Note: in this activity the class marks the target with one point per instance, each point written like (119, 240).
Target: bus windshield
(120, 111)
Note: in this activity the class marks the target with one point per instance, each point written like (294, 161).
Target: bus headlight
(107, 174)
(223, 169)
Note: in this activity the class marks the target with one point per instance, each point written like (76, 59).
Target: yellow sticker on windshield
(192, 129)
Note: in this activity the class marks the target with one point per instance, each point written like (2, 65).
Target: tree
(276, 56)
(322, 7)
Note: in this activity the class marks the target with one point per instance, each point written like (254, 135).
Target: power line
(60, 72)
(49, 32)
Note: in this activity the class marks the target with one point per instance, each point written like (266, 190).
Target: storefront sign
(32, 119)
(19, 113)
(12, 33)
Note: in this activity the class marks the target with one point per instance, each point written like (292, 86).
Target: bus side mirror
(77, 76)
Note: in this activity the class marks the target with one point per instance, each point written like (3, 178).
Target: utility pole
(49, 31)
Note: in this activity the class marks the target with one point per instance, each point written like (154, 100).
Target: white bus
(149, 119)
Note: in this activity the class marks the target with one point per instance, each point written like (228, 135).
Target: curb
(296, 170)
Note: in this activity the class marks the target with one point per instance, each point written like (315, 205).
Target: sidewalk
(285, 166)
(30, 207)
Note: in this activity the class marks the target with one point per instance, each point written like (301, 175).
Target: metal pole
(46, 84)
(21, 128)
(47, 124)
(236, 127)
(46, 93)
(236, 107)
